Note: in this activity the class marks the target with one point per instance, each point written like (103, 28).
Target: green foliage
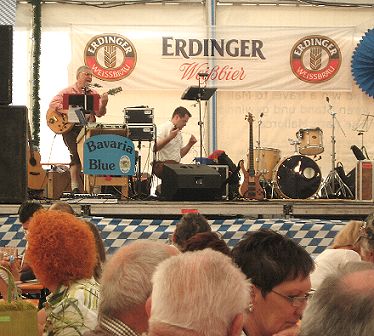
(36, 35)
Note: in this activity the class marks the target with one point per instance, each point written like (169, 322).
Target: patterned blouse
(72, 310)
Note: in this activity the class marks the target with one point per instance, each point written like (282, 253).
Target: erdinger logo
(111, 57)
(315, 59)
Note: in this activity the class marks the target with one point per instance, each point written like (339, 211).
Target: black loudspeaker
(6, 61)
(190, 182)
(13, 139)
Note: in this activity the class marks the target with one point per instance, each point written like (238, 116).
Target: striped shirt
(116, 327)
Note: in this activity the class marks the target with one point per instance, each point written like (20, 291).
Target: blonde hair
(348, 235)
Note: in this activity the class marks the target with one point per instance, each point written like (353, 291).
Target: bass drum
(297, 177)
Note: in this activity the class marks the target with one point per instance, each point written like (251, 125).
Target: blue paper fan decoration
(363, 63)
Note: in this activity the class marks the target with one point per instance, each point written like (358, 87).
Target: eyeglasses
(296, 301)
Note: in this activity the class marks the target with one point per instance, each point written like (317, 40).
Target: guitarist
(81, 86)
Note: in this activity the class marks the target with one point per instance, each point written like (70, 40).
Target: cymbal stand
(266, 185)
(333, 186)
(363, 128)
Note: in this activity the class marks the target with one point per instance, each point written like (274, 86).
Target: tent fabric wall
(285, 112)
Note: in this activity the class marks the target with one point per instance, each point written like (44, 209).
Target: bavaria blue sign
(109, 154)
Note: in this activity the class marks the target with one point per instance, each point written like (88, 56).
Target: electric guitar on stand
(251, 187)
(59, 123)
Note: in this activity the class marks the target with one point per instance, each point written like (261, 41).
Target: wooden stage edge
(274, 208)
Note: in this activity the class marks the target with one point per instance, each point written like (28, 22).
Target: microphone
(203, 74)
(328, 99)
(262, 114)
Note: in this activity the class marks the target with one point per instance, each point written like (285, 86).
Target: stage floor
(274, 208)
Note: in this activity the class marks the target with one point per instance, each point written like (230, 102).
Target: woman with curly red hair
(63, 256)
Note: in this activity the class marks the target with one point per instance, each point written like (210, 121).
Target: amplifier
(365, 180)
(138, 115)
(141, 132)
(224, 172)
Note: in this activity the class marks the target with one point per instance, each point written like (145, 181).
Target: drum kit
(297, 176)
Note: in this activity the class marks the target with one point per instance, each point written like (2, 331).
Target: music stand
(199, 93)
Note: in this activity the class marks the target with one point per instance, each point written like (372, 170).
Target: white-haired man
(343, 304)
(125, 287)
(198, 294)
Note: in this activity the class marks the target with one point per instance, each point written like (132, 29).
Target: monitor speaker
(13, 139)
(6, 61)
(190, 182)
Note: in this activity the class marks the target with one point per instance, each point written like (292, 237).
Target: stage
(273, 208)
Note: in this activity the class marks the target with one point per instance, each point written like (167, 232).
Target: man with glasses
(279, 270)
(81, 86)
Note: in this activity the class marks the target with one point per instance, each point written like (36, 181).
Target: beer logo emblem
(124, 164)
(315, 59)
(111, 57)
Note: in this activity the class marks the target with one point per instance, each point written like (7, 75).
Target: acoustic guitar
(251, 187)
(36, 175)
(59, 123)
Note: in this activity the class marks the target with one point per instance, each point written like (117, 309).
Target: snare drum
(265, 160)
(310, 141)
(297, 177)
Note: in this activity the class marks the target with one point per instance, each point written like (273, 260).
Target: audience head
(343, 305)
(61, 248)
(27, 210)
(62, 206)
(365, 240)
(189, 225)
(100, 248)
(126, 279)
(198, 293)
(347, 236)
(279, 270)
(204, 240)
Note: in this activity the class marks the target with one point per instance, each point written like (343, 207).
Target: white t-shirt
(172, 150)
(329, 261)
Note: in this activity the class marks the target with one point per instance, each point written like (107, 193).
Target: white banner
(233, 58)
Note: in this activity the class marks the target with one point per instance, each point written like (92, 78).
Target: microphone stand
(202, 79)
(333, 186)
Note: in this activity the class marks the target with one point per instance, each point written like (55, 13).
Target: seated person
(189, 225)
(21, 271)
(198, 293)
(343, 249)
(100, 248)
(62, 254)
(203, 240)
(279, 270)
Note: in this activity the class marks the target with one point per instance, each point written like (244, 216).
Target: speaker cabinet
(365, 180)
(13, 139)
(6, 61)
(189, 182)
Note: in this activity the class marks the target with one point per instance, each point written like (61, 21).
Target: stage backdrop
(234, 58)
(296, 104)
